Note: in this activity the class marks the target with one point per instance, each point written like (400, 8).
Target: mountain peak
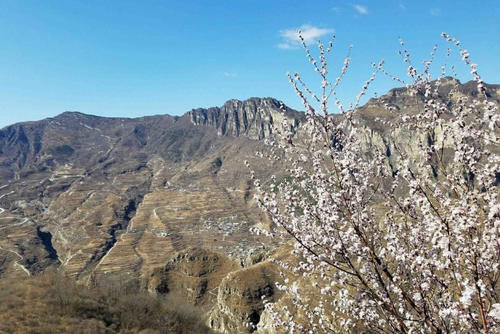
(254, 117)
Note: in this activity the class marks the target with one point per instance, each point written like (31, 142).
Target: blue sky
(135, 58)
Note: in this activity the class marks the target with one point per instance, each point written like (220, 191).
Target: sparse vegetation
(62, 151)
(53, 303)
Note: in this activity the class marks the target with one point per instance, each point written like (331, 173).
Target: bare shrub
(54, 303)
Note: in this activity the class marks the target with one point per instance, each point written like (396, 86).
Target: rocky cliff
(240, 298)
(254, 118)
(375, 116)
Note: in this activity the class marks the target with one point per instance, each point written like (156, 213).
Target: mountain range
(163, 200)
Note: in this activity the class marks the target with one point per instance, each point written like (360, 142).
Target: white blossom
(403, 242)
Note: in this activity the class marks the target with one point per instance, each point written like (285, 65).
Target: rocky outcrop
(240, 298)
(254, 118)
(193, 274)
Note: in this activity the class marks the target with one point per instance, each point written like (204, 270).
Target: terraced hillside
(93, 195)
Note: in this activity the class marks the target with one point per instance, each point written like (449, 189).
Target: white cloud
(361, 9)
(310, 34)
(435, 11)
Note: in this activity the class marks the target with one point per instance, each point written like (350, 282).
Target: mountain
(253, 118)
(95, 195)
(164, 201)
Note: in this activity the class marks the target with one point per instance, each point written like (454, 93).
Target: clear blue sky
(135, 58)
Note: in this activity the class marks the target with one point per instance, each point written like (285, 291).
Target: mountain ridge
(77, 113)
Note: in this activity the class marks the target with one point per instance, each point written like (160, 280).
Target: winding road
(24, 221)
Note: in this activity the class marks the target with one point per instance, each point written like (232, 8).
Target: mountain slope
(105, 195)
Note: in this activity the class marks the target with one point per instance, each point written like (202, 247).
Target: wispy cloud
(363, 10)
(435, 11)
(336, 9)
(286, 46)
(229, 74)
(310, 34)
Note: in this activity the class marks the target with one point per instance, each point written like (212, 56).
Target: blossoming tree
(409, 248)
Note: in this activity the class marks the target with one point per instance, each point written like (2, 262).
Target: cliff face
(375, 116)
(254, 118)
